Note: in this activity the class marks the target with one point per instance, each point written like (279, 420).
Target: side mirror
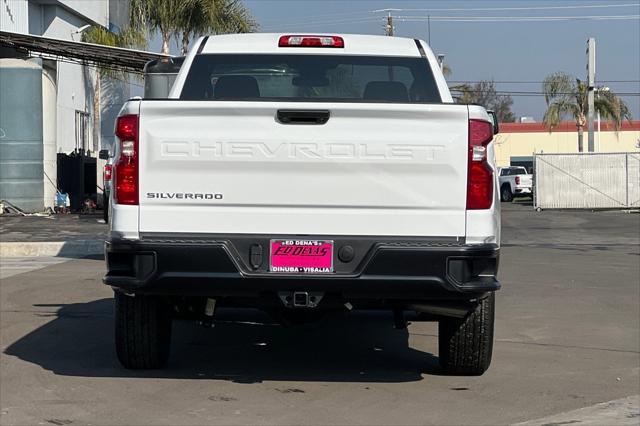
(494, 121)
(103, 154)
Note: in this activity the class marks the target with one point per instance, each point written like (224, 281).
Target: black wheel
(466, 344)
(143, 331)
(105, 207)
(506, 195)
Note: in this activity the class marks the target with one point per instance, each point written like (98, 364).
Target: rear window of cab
(314, 78)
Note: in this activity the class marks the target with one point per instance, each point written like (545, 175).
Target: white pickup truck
(514, 181)
(302, 174)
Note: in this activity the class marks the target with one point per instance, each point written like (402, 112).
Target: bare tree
(484, 93)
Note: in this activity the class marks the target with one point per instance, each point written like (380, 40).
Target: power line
(408, 18)
(332, 22)
(524, 95)
(586, 6)
(328, 15)
(367, 12)
(528, 93)
(515, 18)
(532, 81)
(356, 16)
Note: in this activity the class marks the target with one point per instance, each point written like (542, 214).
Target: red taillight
(480, 174)
(517, 180)
(108, 171)
(310, 41)
(127, 127)
(126, 168)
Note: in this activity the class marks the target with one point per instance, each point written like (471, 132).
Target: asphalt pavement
(59, 227)
(567, 341)
(60, 236)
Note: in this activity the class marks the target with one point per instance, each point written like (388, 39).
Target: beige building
(517, 142)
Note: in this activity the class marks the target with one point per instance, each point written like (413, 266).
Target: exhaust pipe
(455, 311)
(209, 310)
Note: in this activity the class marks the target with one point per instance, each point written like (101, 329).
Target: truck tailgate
(526, 181)
(372, 169)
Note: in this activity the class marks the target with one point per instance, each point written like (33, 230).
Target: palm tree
(199, 17)
(100, 35)
(190, 18)
(567, 95)
(446, 70)
(156, 15)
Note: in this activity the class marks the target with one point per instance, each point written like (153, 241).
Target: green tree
(100, 35)
(484, 93)
(156, 15)
(185, 19)
(199, 17)
(566, 95)
(446, 70)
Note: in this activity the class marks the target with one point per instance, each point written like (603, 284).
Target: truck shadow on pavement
(245, 346)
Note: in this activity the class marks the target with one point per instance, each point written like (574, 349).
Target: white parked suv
(302, 174)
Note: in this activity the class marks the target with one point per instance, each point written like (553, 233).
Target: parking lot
(567, 337)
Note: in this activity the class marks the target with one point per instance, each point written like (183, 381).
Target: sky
(524, 51)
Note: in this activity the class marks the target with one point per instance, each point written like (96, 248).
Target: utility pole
(429, 29)
(591, 85)
(389, 27)
(441, 61)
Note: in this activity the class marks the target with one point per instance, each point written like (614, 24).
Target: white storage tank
(21, 147)
(49, 135)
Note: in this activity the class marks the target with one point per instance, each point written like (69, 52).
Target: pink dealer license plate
(301, 256)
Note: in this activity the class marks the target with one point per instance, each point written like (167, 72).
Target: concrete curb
(71, 249)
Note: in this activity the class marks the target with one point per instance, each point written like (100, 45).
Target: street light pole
(441, 61)
(591, 83)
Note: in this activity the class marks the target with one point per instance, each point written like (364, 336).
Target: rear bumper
(382, 268)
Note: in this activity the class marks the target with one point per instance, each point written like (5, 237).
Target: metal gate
(587, 181)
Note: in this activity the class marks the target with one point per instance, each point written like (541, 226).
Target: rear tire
(466, 344)
(506, 196)
(143, 331)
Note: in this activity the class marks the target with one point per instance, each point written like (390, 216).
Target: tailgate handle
(302, 116)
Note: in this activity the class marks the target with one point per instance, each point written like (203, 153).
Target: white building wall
(36, 19)
(74, 82)
(96, 11)
(60, 23)
(14, 16)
